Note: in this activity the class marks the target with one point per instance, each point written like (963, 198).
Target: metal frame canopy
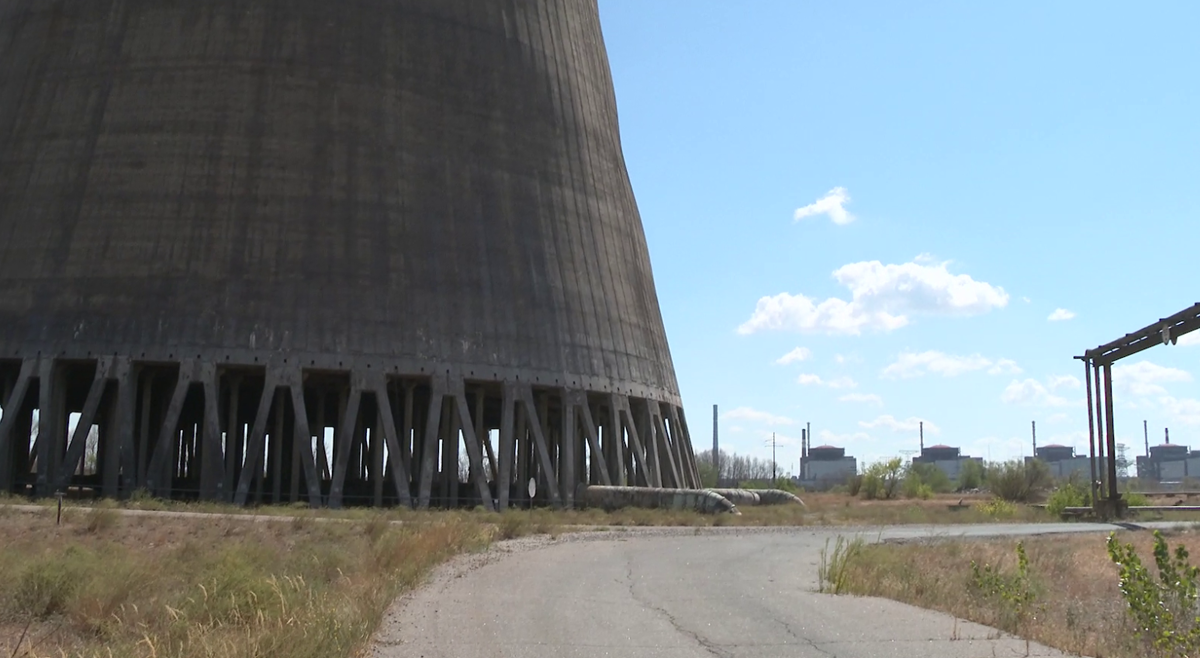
(1102, 440)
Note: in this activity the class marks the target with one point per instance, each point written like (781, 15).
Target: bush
(1013, 593)
(924, 480)
(1019, 481)
(1068, 494)
(854, 484)
(882, 479)
(998, 509)
(971, 476)
(1135, 499)
(915, 488)
(1164, 609)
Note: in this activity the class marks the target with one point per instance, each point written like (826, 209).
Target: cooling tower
(354, 252)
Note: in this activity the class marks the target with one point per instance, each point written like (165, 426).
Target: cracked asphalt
(725, 593)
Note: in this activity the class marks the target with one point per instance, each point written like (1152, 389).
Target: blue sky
(931, 206)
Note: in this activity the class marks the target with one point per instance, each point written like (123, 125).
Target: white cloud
(780, 440)
(1073, 439)
(862, 397)
(832, 204)
(1189, 339)
(1145, 378)
(1059, 382)
(995, 448)
(1032, 393)
(882, 299)
(1186, 411)
(756, 416)
(1061, 314)
(910, 424)
(807, 379)
(912, 364)
(832, 438)
(1057, 418)
(798, 354)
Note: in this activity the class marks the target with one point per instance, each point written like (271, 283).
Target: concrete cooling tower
(373, 252)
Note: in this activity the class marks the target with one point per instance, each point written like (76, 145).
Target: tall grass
(222, 588)
(1066, 594)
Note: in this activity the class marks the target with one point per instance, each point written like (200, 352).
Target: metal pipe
(1111, 435)
(1087, 373)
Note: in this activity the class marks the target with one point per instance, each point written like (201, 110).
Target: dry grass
(1077, 605)
(821, 509)
(315, 583)
(102, 584)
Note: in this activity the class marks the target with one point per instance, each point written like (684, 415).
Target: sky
(866, 215)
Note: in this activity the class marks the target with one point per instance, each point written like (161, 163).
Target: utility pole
(773, 468)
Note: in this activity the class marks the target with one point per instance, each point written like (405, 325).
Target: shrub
(971, 476)
(1164, 611)
(1136, 499)
(1019, 481)
(1068, 494)
(998, 509)
(1013, 592)
(882, 479)
(854, 484)
(915, 488)
(924, 480)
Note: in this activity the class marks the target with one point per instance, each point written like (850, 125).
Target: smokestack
(1033, 424)
(1167, 435)
(1146, 436)
(716, 447)
(808, 433)
(921, 426)
(803, 443)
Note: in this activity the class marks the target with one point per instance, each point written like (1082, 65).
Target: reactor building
(358, 252)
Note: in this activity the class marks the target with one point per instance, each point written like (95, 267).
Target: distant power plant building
(1063, 462)
(1169, 462)
(826, 466)
(947, 458)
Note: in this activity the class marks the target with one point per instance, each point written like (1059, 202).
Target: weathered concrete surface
(726, 593)
(404, 184)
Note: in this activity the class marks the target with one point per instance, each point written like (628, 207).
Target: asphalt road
(667, 593)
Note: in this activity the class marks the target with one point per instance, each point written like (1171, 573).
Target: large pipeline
(757, 496)
(610, 498)
(777, 497)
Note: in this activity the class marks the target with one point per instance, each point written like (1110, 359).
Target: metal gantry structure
(1097, 364)
(300, 250)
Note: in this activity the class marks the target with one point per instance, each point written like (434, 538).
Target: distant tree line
(734, 467)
